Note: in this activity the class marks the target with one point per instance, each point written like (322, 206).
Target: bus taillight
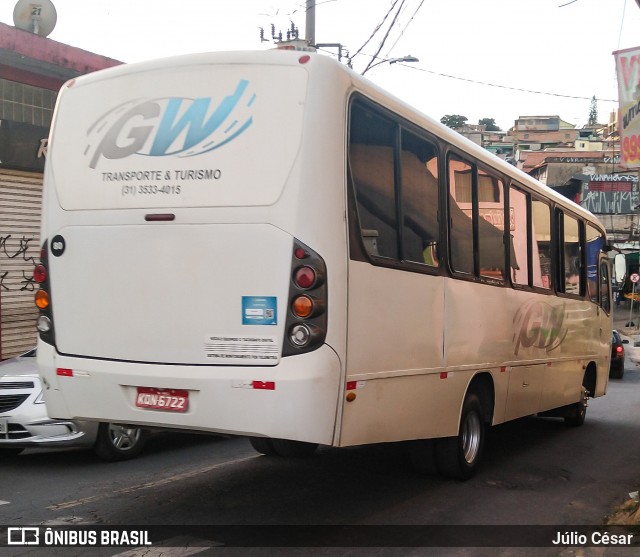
(302, 307)
(305, 277)
(42, 299)
(306, 324)
(44, 323)
(40, 273)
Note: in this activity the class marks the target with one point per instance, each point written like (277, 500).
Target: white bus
(266, 244)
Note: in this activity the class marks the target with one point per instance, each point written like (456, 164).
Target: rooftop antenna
(35, 16)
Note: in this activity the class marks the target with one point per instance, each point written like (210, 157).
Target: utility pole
(310, 27)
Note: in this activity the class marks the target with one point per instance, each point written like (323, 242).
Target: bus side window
(572, 256)
(419, 178)
(372, 166)
(518, 220)
(491, 223)
(476, 228)
(541, 232)
(605, 300)
(460, 212)
(595, 243)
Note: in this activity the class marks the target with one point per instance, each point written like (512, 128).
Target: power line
(624, 9)
(406, 26)
(384, 39)
(376, 29)
(503, 86)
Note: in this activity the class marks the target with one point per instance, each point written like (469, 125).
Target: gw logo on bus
(170, 126)
(539, 325)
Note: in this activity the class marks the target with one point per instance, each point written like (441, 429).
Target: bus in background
(266, 244)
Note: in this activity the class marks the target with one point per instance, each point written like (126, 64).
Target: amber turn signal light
(42, 299)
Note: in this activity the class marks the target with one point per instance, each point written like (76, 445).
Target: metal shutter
(20, 210)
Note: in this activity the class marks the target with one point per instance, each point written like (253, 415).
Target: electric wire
(376, 29)
(405, 27)
(468, 80)
(412, 67)
(624, 10)
(384, 39)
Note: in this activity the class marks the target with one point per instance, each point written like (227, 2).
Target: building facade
(32, 70)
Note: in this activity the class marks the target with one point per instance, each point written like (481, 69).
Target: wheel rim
(123, 438)
(471, 437)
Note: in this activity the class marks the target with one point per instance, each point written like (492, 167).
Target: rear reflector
(264, 385)
(64, 372)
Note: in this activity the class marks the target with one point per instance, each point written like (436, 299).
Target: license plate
(4, 426)
(167, 400)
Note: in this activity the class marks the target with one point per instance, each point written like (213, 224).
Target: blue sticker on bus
(259, 310)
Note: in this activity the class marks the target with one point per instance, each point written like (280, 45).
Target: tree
(489, 124)
(593, 112)
(454, 121)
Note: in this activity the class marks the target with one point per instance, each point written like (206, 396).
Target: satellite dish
(35, 16)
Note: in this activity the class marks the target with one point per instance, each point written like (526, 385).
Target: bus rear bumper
(297, 399)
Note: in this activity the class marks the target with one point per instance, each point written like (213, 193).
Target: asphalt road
(536, 472)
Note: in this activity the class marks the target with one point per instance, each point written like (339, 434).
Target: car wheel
(617, 372)
(119, 442)
(10, 451)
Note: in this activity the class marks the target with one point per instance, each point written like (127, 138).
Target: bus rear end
(178, 288)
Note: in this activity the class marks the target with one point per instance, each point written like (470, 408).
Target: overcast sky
(559, 47)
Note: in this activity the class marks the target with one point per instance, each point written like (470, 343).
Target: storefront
(32, 70)
(22, 152)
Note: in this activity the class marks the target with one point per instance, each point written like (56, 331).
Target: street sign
(635, 277)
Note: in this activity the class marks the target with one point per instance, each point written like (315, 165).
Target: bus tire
(578, 412)
(459, 457)
(294, 449)
(263, 445)
(119, 442)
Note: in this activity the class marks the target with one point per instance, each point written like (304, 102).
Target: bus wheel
(458, 457)
(295, 449)
(578, 412)
(118, 442)
(263, 445)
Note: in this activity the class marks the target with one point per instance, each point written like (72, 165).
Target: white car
(24, 422)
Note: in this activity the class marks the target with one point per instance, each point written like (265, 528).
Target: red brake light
(619, 349)
(40, 273)
(305, 277)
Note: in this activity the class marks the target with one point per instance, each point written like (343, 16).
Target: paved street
(537, 471)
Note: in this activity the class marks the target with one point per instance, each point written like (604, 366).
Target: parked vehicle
(24, 422)
(616, 371)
